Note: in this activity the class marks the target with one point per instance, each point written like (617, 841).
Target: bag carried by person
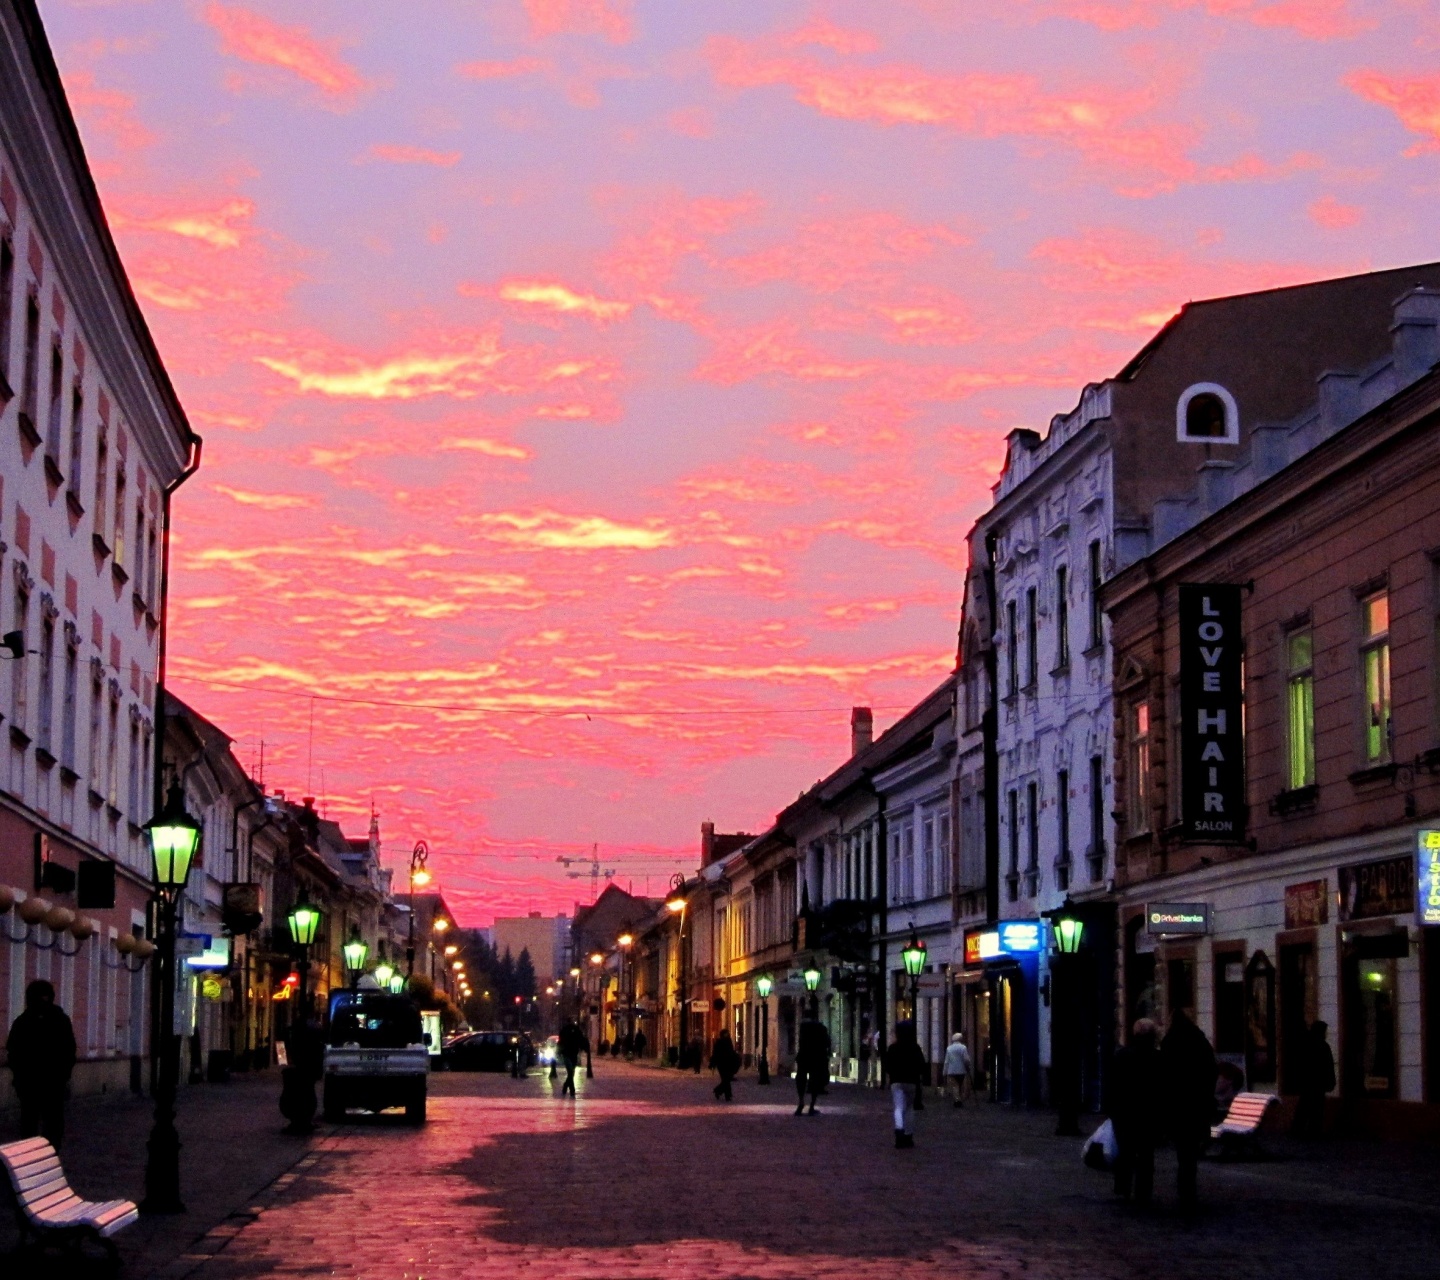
(1101, 1148)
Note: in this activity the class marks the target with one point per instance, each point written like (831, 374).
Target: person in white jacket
(957, 1068)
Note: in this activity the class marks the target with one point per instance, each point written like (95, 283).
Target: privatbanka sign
(1212, 747)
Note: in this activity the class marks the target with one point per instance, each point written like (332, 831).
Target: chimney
(707, 843)
(1416, 334)
(862, 729)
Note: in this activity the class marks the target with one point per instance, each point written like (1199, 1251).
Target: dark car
(488, 1051)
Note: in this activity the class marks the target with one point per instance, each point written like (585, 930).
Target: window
(30, 373)
(118, 548)
(153, 571)
(112, 755)
(1299, 710)
(1062, 823)
(67, 709)
(1097, 618)
(1139, 767)
(1062, 619)
(1012, 677)
(1375, 671)
(7, 301)
(55, 412)
(1096, 852)
(140, 584)
(1032, 646)
(943, 854)
(927, 857)
(133, 796)
(897, 889)
(102, 457)
(1206, 413)
(47, 675)
(19, 673)
(97, 725)
(907, 836)
(77, 437)
(1032, 818)
(1013, 876)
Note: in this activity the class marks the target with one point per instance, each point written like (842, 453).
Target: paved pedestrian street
(646, 1176)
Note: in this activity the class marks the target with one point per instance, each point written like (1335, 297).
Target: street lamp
(914, 957)
(384, 971)
(764, 985)
(303, 921)
(418, 875)
(625, 941)
(1064, 1017)
(356, 951)
(174, 836)
(812, 979)
(676, 903)
(397, 983)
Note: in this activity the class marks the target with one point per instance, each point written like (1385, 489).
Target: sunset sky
(596, 394)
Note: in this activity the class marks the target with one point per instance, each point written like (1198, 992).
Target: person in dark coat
(1317, 1078)
(640, 1043)
(812, 1061)
(1187, 1069)
(572, 1044)
(906, 1066)
(725, 1061)
(41, 1053)
(697, 1054)
(305, 1056)
(1134, 1109)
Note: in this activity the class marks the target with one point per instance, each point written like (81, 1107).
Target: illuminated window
(1375, 673)
(1300, 709)
(1139, 815)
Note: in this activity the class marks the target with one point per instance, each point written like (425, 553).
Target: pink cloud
(502, 70)
(1329, 213)
(1415, 101)
(401, 154)
(110, 111)
(254, 38)
(1314, 19)
(608, 18)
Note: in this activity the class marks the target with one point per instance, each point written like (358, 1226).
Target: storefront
(1005, 1007)
(1258, 953)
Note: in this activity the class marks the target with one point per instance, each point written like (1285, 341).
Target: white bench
(47, 1208)
(1242, 1120)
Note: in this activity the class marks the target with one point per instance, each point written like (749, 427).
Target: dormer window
(1206, 414)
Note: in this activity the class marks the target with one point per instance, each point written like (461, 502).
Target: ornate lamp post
(764, 985)
(625, 941)
(1064, 1016)
(418, 876)
(356, 950)
(384, 971)
(174, 836)
(914, 958)
(677, 902)
(303, 921)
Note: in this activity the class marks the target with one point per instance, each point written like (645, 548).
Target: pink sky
(650, 359)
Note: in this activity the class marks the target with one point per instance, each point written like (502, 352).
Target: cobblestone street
(646, 1176)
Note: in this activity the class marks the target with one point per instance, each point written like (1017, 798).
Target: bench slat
(43, 1178)
(46, 1198)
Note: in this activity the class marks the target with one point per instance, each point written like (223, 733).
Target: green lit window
(1375, 672)
(1300, 709)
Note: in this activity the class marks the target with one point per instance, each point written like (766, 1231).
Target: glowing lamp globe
(764, 985)
(384, 971)
(397, 983)
(356, 950)
(914, 956)
(812, 979)
(174, 837)
(303, 920)
(1068, 932)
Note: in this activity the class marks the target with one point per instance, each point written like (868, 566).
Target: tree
(525, 976)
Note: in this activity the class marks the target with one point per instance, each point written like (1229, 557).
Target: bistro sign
(1427, 878)
(1212, 748)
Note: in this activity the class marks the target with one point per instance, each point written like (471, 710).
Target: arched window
(1206, 413)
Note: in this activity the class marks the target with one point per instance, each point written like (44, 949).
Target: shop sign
(699, 1006)
(1212, 748)
(1021, 937)
(211, 988)
(1177, 917)
(1382, 888)
(216, 955)
(988, 945)
(973, 957)
(1308, 904)
(931, 984)
(1427, 877)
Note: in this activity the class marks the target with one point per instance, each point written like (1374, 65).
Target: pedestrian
(866, 1051)
(640, 1043)
(906, 1066)
(1187, 1068)
(726, 1061)
(697, 1054)
(957, 1068)
(572, 1044)
(41, 1053)
(1317, 1078)
(1134, 1108)
(305, 1066)
(628, 1045)
(812, 1060)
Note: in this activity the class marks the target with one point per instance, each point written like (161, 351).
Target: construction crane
(594, 873)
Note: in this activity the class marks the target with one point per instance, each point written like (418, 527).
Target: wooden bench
(48, 1210)
(1241, 1125)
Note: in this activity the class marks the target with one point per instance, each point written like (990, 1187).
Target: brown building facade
(1312, 915)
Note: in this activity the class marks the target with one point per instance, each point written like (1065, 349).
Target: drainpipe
(989, 732)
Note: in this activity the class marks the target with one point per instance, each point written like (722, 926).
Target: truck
(376, 1055)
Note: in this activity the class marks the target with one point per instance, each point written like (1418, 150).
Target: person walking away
(572, 1044)
(305, 1065)
(1187, 1068)
(726, 1061)
(41, 1052)
(640, 1043)
(1134, 1110)
(957, 1068)
(1317, 1078)
(812, 1060)
(906, 1066)
(866, 1050)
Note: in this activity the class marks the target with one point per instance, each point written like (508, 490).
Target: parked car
(376, 1057)
(488, 1051)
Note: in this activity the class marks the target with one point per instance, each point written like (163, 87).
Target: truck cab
(376, 1055)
